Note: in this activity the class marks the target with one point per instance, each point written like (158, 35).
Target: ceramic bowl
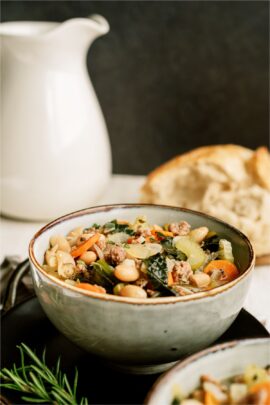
(145, 335)
(220, 361)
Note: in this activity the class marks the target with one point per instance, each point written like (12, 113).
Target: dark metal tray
(101, 385)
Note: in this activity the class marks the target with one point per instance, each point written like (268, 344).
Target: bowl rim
(141, 301)
(182, 364)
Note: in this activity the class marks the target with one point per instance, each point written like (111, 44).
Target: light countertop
(15, 236)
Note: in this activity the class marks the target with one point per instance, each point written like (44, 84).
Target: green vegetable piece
(118, 288)
(105, 267)
(103, 274)
(96, 226)
(171, 250)
(176, 401)
(225, 250)
(157, 271)
(109, 226)
(113, 227)
(254, 374)
(195, 254)
(211, 242)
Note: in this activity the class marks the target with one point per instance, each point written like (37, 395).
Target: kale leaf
(102, 274)
(96, 226)
(176, 401)
(167, 244)
(157, 268)
(113, 227)
(211, 244)
(158, 273)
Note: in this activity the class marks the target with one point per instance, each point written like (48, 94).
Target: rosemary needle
(39, 384)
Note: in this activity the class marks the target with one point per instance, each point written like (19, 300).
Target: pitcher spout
(101, 24)
(30, 39)
(80, 32)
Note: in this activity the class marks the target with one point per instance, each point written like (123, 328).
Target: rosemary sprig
(38, 383)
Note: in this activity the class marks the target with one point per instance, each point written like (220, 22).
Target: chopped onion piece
(99, 252)
(215, 391)
(144, 251)
(119, 237)
(238, 391)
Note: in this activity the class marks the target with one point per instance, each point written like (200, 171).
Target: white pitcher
(55, 148)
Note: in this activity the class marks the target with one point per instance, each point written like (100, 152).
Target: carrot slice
(167, 233)
(91, 287)
(83, 247)
(170, 278)
(164, 233)
(262, 386)
(154, 234)
(209, 399)
(230, 270)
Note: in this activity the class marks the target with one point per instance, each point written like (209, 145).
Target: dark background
(171, 76)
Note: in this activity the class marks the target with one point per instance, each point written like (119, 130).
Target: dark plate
(101, 385)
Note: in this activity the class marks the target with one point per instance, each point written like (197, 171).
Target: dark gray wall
(171, 76)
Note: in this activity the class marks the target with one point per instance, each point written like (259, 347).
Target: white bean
(88, 257)
(65, 264)
(199, 234)
(61, 242)
(127, 271)
(74, 234)
(133, 291)
(50, 258)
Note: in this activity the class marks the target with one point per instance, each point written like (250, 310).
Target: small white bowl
(140, 335)
(221, 361)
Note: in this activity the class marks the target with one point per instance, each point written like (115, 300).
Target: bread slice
(227, 181)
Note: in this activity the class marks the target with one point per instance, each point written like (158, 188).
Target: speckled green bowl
(220, 362)
(145, 335)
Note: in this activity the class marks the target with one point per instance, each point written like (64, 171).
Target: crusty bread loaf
(227, 181)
